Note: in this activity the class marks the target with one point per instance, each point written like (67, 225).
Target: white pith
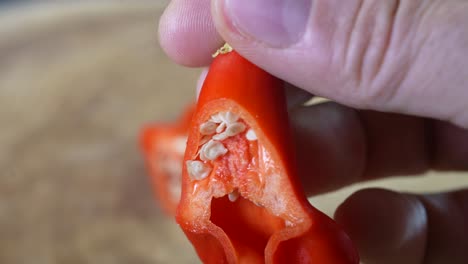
(221, 126)
(180, 144)
(233, 196)
(213, 132)
(250, 135)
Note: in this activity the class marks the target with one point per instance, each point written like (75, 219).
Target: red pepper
(241, 202)
(163, 146)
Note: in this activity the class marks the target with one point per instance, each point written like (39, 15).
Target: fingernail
(276, 23)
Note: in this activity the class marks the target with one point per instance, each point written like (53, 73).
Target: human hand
(405, 62)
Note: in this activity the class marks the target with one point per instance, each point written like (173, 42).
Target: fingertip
(387, 227)
(187, 33)
(330, 146)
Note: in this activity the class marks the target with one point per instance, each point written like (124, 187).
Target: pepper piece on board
(241, 202)
(163, 146)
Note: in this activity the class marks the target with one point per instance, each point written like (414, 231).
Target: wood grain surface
(77, 81)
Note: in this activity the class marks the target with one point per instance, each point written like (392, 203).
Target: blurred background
(78, 79)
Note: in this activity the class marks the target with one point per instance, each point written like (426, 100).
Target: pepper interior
(242, 169)
(168, 164)
(247, 225)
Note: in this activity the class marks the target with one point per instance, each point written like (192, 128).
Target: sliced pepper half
(241, 202)
(163, 145)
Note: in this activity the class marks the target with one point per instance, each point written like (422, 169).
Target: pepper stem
(223, 50)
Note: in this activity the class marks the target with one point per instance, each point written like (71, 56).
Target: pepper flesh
(163, 146)
(271, 220)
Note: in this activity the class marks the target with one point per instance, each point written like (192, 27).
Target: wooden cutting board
(77, 81)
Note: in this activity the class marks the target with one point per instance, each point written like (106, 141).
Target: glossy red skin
(241, 232)
(151, 138)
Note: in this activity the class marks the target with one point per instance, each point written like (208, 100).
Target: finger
(387, 227)
(187, 33)
(396, 144)
(390, 227)
(447, 233)
(330, 146)
(337, 146)
(296, 97)
(451, 147)
(390, 56)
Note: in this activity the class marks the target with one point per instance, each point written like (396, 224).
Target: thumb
(400, 56)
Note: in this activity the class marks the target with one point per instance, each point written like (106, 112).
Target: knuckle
(375, 56)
